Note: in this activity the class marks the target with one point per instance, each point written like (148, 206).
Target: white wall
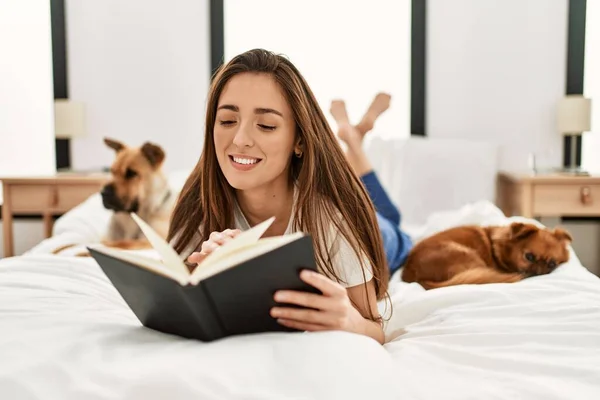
(344, 49)
(495, 71)
(26, 89)
(142, 68)
(590, 157)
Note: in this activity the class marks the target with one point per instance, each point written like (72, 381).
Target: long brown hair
(329, 190)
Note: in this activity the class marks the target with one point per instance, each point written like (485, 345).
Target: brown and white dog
(493, 254)
(137, 185)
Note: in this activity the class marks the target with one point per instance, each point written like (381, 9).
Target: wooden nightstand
(548, 195)
(48, 196)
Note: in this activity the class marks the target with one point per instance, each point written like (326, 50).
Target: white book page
(150, 264)
(251, 250)
(244, 239)
(169, 256)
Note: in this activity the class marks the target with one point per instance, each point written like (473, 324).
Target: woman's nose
(243, 136)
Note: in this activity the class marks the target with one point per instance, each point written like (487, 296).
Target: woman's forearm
(374, 330)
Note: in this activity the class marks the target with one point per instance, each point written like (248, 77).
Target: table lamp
(69, 123)
(69, 119)
(574, 118)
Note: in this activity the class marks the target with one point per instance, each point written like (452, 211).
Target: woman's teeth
(245, 161)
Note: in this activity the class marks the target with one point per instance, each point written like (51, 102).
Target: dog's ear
(114, 144)
(519, 230)
(153, 153)
(562, 234)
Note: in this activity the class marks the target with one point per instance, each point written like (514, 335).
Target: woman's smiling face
(254, 132)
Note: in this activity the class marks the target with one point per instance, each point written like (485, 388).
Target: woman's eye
(227, 123)
(529, 257)
(266, 127)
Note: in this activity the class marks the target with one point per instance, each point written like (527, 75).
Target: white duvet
(66, 334)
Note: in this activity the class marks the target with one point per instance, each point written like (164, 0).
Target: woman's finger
(305, 315)
(218, 238)
(305, 299)
(231, 232)
(301, 326)
(226, 238)
(221, 238)
(323, 283)
(196, 257)
(208, 247)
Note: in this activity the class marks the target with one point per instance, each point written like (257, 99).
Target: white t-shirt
(346, 264)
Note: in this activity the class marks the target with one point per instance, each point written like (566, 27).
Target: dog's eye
(529, 257)
(130, 173)
(552, 264)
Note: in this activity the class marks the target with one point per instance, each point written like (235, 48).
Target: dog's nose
(108, 191)
(109, 197)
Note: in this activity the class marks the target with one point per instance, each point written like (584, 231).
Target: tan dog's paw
(139, 244)
(62, 248)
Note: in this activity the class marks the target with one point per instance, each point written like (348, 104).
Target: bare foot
(339, 112)
(378, 106)
(351, 136)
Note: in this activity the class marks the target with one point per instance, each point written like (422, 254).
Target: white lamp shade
(69, 119)
(574, 114)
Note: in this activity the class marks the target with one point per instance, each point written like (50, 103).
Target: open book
(229, 293)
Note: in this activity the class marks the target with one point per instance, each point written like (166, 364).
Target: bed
(65, 333)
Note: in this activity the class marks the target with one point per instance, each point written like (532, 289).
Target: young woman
(397, 243)
(269, 151)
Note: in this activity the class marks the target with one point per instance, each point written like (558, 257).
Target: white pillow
(424, 175)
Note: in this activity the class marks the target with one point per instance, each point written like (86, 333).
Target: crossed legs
(353, 135)
(396, 243)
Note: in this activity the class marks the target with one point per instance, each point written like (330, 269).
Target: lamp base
(573, 171)
(561, 171)
(63, 153)
(572, 152)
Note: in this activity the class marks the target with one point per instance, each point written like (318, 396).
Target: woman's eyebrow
(259, 111)
(267, 111)
(229, 107)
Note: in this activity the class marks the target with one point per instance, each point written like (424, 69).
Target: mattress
(65, 333)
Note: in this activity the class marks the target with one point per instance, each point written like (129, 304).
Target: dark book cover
(235, 301)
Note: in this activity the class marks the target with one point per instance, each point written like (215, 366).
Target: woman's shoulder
(348, 259)
(336, 225)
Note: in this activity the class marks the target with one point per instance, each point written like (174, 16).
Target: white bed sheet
(66, 334)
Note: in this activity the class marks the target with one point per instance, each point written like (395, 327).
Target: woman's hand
(331, 311)
(215, 240)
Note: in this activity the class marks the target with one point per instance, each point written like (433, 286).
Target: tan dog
(495, 254)
(138, 185)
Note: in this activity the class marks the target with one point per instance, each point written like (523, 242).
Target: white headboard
(424, 175)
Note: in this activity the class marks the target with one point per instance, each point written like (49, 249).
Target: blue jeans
(396, 243)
